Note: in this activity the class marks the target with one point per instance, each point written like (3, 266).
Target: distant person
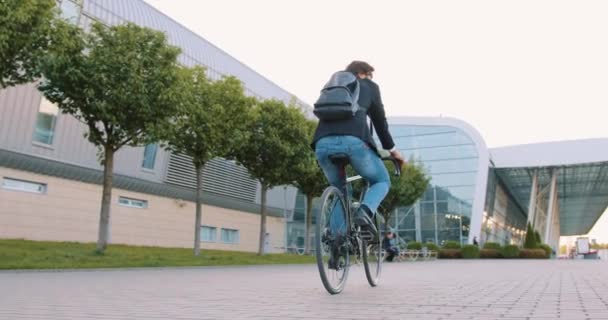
(390, 247)
(475, 241)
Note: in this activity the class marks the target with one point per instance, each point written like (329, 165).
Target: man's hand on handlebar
(398, 156)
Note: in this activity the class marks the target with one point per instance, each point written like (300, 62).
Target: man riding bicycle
(352, 137)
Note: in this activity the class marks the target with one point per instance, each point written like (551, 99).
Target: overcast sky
(518, 71)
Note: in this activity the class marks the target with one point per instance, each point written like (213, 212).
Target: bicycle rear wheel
(372, 258)
(331, 233)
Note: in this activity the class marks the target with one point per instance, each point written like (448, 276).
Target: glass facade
(296, 225)
(504, 220)
(450, 158)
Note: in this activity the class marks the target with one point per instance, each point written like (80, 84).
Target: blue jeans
(366, 163)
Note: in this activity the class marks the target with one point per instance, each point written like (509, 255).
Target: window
(45, 122)
(22, 185)
(208, 234)
(230, 236)
(70, 10)
(149, 156)
(133, 203)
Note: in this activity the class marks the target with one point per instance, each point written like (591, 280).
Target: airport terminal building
(51, 179)
(561, 188)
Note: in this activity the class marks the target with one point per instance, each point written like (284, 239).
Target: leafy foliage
(470, 251)
(431, 246)
(548, 250)
(538, 238)
(492, 245)
(510, 251)
(414, 245)
(118, 82)
(530, 242)
(532, 254)
(210, 122)
(309, 178)
(405, 189)
(211, 119)
(273, 148)
(451, 245)
(30, 29)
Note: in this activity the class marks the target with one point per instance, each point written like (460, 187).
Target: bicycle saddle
(339, 159)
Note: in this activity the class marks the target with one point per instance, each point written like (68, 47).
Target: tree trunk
(106, 199)
(198, 218)
(308, 224)
(263, 221)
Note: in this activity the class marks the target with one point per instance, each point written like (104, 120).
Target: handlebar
(385, 155)
(395, 162)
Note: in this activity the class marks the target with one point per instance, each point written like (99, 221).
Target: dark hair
(359, 67)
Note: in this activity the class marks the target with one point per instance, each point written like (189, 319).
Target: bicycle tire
(332, 280)
(372, 263)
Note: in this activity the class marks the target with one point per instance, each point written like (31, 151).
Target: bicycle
(362, 245)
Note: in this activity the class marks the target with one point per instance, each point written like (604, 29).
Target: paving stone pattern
(460, 289)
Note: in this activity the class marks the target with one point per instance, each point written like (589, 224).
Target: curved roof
(582, 177)
(483, 160)
(551, 153)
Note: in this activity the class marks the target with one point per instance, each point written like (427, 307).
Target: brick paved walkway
(420, 290)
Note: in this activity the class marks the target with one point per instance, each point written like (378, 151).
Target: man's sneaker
(363, 219)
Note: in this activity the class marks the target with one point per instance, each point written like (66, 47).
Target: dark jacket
(388, 243)
(370, 104)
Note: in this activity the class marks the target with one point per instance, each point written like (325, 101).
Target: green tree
(117, 84)
(537, 238)
(210, 123)
(530, 242)
(273, 149)
(28, 30)
(405, 189)
(309, 179)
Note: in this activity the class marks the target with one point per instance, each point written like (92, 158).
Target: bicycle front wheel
(372, 258)
(331, 240)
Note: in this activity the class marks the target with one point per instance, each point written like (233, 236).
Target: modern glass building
(451, 153)
(560, 188)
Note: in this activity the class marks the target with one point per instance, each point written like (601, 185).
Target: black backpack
(338, 99)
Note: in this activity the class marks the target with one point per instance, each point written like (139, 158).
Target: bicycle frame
(359, 245)
(349, 208)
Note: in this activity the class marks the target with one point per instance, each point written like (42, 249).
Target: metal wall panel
(19, 108)
(195, 49)
(219, 176)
